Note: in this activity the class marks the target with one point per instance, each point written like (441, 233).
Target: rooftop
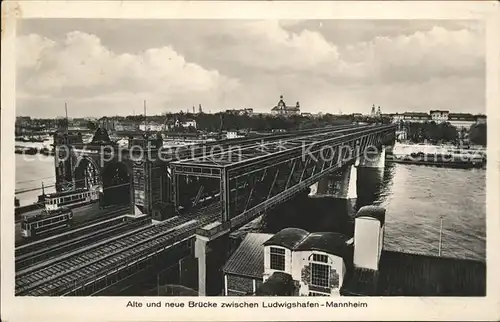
(331, 243)
(403, 274)
(248, 258)
(287, 108)
(439, 111)
(288, 238)
(373, 212)
(415, 114)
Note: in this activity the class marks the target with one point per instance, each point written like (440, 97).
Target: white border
(88, 309)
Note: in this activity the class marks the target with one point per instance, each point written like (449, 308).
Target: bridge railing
(214, 231)
(345, 136)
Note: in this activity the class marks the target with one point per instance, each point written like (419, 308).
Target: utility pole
(145, 120)
(158, 284)
(440, 235)
(66, 111)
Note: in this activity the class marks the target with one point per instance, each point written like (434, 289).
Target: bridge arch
(116, 178)
(86, 173)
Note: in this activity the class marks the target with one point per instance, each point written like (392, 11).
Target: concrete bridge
(198, 196)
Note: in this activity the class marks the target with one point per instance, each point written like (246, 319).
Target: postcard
(238, 161)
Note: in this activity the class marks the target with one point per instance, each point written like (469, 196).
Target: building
(306, 114)
(283, 110)
(416, 117)
(107, 124)
(410, 117)
(22, 120)
(481, 119)
(375, 112)
(462, 120)
(459, 120)
(176, 123)
(125, 126)
(397, 117)
(186, 123)
(244, 270)
(233, 135)
(295, 262)
(243, 111)
(439, 116)
(152, 126)
(316, 262)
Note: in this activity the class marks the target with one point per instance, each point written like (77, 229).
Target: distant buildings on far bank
(459, 120)
(243, 111)
(169, 121)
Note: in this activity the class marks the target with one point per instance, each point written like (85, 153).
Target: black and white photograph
(250, 158)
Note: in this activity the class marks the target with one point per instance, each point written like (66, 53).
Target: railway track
(65, 270)
(64, 247)
(77, 230)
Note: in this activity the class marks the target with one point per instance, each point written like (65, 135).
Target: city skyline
(108, 67)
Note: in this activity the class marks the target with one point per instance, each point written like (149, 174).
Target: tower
(373, 110)
(368, 237)
(378, 111)
(281, 104)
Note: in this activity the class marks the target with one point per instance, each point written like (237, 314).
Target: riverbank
(33, 150)
(438, 155)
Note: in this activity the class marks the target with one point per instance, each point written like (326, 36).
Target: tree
(91, 125)
(477, 134)
(62, 123)
(432, 132)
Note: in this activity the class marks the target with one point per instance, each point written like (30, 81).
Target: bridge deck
(185, 152)
(255, 149)
(271, 172)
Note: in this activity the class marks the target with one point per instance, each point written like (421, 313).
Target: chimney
(368, 237)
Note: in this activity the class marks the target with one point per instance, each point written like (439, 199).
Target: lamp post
(440, 235)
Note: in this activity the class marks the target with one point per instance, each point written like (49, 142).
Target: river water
(31, 171)
(414, 197)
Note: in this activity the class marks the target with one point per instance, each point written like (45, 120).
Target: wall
(302, 272)
(439, 117)
(231, 135)
(366, 243)
(461, 124)
(267, 262)
(238, 285)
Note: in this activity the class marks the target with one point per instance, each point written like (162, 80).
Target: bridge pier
(211, 254)
(200, 252)
(373, 158)
(349, 183)
(342, 186)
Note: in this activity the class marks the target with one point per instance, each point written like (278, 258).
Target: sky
(106, 67)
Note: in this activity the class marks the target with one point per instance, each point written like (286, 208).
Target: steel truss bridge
(215, 193)
(248, 181)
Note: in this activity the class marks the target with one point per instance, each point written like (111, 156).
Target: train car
(73, 198)
(45, 222)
